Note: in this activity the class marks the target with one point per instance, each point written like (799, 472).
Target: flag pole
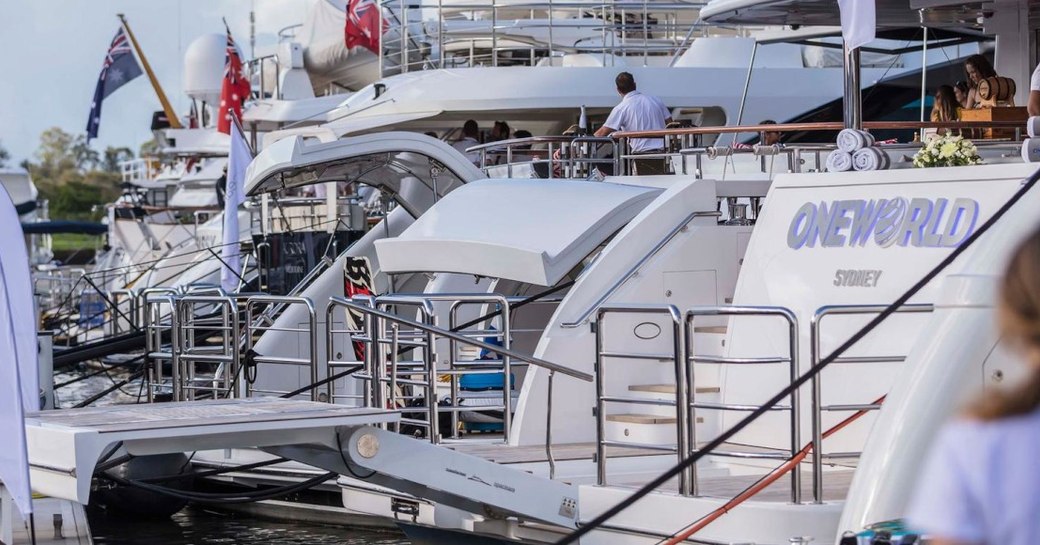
(170, 114)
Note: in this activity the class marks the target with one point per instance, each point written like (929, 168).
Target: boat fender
(249, 365)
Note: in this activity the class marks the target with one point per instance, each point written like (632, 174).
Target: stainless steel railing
(382, 343)
(685, 359)
(554, 156)
(201, 365)
(677, 357)
(818, 407)
(526, 33)
(791, 360)
(158, 317)
(260, 320)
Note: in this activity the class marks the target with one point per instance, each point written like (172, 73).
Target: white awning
(532, 231)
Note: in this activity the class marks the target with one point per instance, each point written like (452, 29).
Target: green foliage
(4, 156)
(75, 178)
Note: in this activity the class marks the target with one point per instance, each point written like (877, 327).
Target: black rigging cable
(573, 537)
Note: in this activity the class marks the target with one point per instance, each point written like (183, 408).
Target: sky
(54, 50)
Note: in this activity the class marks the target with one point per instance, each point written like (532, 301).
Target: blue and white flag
(19, 369)
(858, 22)
(120, 66)
(239, 158)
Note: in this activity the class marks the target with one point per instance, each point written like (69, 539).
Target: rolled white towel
(867, 159)
(839, 161)
(1033, 126)
(869, 138)
(850, 140)
(1031, 150)
(886, 159)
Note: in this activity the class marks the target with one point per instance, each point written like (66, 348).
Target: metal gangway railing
(528, 33)
(385, 338)
(819, 457)
(685, 360)
(207, 337)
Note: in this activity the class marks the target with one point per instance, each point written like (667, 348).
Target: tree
(113, 156)
(4, 156)
(73, 176)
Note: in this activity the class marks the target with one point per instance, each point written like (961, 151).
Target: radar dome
(204, 67)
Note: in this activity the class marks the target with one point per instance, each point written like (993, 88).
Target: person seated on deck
(765, 138)
(960, 91)
(977, 69)
(470, 138)
(944, 109)
(638, 112)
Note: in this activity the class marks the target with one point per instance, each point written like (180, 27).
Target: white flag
(238, 161)
(858, 22)
(19, 384)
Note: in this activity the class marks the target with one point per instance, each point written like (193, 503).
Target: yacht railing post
(853, 99)
(430, 363)
(924, 74)
(494, 35)
(404, 37)
(684, 425)
(440, 32)
(747, 85)
(817, 425)
(601, 418)
(548, 427)
(796, 421)
(646, 32)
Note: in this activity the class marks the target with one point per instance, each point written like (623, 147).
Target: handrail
(252, 324)
(461, 338)
(680, 227)
(792, 360)
(682, 406)
(824, 126)
(817, 383)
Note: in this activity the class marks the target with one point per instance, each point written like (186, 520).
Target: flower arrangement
(947, 151)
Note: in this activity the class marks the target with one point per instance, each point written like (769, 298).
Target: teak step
(670, 389)
(710, 329)
(631, 418)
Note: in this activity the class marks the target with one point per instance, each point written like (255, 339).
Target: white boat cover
(18, 185)
(532, 231)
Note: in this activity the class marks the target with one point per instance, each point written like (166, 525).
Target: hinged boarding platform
(64, 446)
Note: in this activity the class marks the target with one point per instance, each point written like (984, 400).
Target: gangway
(65, 446)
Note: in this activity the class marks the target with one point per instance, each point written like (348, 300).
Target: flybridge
(919, 222)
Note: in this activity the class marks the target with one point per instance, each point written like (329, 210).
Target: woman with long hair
(981, 484)
(945, 107)
(977, 68)
(960, 90)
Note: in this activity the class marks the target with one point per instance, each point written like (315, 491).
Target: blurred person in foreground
(981, 482)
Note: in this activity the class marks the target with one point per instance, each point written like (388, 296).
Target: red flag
(235, 89)
(364, 25)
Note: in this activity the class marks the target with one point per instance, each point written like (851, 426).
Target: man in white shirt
(1034, 93)
(638, 112)
(470, 138)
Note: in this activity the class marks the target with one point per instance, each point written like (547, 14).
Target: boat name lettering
(857, 278)
(919, 222)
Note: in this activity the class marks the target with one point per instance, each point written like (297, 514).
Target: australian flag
(120, 67)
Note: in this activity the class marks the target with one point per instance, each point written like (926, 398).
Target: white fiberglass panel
(531, 231)
(848, 239)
